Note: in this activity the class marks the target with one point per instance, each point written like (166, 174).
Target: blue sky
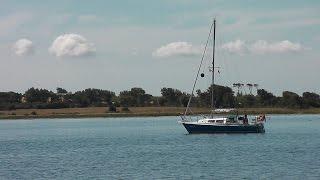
(117, 45)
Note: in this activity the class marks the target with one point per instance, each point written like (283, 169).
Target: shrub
(33, 113)
(125, 109)
(112, 108)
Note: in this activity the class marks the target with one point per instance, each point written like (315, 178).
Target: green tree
(126, 99)
(61, 90)
(266, 98)
(39, 95)
(9, 97)
(222, 96)
(92, 97)
(9, 100)
(246, 100)
(135, 97)
(174, 97)
(311, 99)
(291, 100)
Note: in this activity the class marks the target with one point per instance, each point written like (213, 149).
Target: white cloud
(262, 47)
(177, 49)
(72, 45)
(23, 47)
(237, 47)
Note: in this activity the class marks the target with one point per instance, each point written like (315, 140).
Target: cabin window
(219, 121)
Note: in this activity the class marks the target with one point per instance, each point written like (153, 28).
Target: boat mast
(213, 53)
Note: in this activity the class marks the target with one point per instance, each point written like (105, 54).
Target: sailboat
(208, 123)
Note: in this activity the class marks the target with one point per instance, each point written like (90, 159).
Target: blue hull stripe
(211, 129)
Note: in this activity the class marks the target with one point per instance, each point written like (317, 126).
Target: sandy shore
(133, 112)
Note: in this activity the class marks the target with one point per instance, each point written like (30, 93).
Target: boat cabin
(213, 121)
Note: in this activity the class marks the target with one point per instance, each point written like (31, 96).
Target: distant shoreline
(134, 112)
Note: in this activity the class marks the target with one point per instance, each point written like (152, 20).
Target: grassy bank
(133, 112)
(94, 112)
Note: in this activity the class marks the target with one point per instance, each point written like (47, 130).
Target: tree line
(224, 97)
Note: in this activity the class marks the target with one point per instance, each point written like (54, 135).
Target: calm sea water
(157, 148)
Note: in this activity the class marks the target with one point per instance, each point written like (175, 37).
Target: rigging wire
(206, 68)
(195, 82)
